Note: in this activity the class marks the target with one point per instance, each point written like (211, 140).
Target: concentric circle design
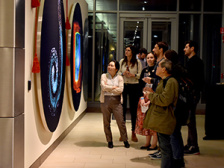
(52, 61)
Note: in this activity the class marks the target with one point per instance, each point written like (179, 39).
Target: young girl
(143, 105)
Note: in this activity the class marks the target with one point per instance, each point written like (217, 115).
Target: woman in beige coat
(110, 102)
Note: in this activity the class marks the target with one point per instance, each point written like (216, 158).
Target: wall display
(52, 62)
(76, 56)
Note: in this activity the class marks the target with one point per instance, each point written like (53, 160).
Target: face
(150, 59)
(128, 52)
(143, 55)
(156, 50)
(187, 50)
(111, 68)
(159, 70)
(139, 56)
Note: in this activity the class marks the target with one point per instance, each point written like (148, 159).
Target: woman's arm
(103, 83)
(119, 89)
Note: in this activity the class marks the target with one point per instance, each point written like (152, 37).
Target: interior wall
(37, 138)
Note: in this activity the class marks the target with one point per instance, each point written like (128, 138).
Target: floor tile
(85, 148)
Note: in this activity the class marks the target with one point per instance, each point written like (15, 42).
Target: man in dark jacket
(195, 70)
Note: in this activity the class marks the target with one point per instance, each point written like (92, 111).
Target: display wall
(49, 95)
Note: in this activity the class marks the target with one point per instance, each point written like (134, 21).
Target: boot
(133, 137)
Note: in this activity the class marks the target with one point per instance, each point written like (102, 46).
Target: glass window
(106, 5)
(212, 47)
(213, 6)
(90, 4)
(106, 44)
(190, 5)
(161, 31)
(133, 33)
(148, 5)
(189, 29)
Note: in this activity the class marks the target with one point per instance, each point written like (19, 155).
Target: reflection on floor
(86, 147)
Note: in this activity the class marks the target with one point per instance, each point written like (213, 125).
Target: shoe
(148, 149)
(178, 163)
(156, 156)
(192, 150)
(155, 153)
(126, 144)
(145, 147)
(110, 145)
(186, 147)
(133, 137)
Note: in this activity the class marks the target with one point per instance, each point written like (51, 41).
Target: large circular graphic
(52, 61)
(76, 56)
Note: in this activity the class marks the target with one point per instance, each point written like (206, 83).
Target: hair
(163, 45)
(168, 65)
(133, 58)
(192, 44)
(142, 50)
(172, 56)
(116, 63)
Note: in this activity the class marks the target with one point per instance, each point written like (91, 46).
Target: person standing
(130, 70)
(141, 56)
(159, 49)
(110, 102)
(195, 70)
(146, 72)
(179, 72)
(160, 116)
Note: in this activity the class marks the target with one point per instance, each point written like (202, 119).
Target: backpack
(185, 100)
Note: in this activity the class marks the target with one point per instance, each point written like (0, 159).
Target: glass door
(145, 31)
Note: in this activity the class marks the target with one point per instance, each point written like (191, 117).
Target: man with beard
(195, 70)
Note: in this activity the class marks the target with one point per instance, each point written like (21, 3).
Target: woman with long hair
(130, 69)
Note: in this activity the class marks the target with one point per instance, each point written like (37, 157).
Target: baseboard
(44, 156)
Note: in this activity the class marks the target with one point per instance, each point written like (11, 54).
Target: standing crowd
(155, 84)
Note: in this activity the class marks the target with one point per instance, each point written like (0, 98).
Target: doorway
(143, 31)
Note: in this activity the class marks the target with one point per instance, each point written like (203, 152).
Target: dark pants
(133, 91)
(113, 105)
(177, 142)
(192, 130)
(166, 151)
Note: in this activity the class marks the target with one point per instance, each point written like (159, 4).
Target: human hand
(147, 79)
(126, 73)
(142, 102)
(114, 87)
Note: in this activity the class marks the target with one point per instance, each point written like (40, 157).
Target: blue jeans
(166, 151)
(176, 141)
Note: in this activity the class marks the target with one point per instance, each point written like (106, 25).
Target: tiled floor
(86, 147)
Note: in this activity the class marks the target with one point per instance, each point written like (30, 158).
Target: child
(143, 105)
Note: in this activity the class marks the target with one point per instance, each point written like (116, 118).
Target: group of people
(151, 84)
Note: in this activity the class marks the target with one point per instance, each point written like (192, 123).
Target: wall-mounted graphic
(76, 56)
(52, 62)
